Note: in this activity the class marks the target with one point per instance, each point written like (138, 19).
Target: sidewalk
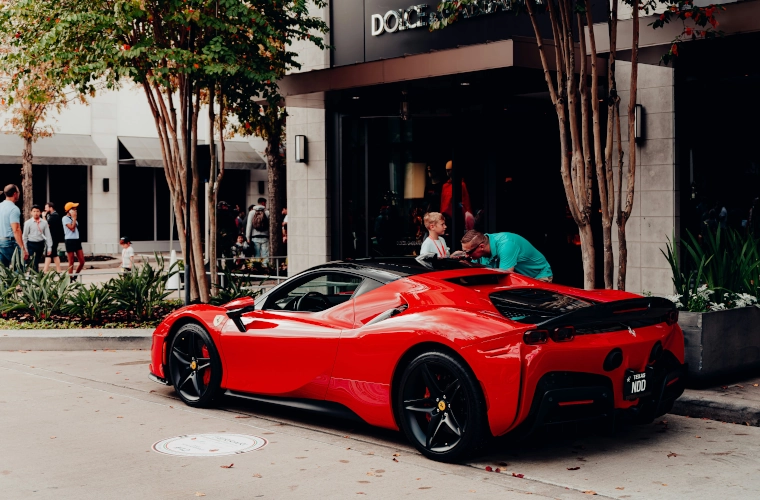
(76, 340)
(735, 403)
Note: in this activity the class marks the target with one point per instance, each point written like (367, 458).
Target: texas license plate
(636, 385)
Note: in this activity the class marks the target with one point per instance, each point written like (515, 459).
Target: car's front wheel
(194, 365)
(441, 408)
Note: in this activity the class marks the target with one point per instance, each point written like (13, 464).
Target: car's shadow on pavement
(569, 443)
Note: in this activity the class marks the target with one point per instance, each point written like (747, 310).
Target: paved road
(81, 425)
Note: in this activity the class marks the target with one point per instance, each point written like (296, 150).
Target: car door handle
(387, 314)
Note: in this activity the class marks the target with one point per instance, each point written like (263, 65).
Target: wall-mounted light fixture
(106, 185)
(301, 149)
(639, 122)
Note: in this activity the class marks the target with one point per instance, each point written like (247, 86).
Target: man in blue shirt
(11, 237)
(507, 251)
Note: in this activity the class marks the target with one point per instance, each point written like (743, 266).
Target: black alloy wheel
(441, 408)
(194, 366)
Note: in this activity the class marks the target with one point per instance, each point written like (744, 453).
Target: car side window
(317, 292)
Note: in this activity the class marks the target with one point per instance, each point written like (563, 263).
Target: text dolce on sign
(417, 17)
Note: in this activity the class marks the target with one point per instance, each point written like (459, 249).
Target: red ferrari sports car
(448, 352)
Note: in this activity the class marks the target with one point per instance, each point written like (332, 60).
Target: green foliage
(89, 302)
(41, 294)
(141, 291)
(235, 287)
(722, 270)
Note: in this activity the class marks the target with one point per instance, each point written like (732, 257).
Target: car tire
(441, 408)
(195, 367)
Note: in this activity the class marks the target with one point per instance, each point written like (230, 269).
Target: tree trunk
(26, 179)
(277, 195)
(623, 215)
(211, 200)
(195, 217)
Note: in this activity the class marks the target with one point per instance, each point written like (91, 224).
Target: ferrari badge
(441, 405)
(218, 319)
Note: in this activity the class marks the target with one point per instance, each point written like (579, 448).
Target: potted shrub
(717, 298)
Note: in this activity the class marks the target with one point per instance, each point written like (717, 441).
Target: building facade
(394, 103)
(105, 155)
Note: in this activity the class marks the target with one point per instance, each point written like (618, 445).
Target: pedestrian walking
(506, 251)
(37, 237)
(56, 232)
(435, 244)
(127, 254)
(71, 236)
(257, 229)
(10, 226)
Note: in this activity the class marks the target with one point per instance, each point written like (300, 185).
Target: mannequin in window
(446, 199)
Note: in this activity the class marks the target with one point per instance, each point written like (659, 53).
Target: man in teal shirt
(507, 251)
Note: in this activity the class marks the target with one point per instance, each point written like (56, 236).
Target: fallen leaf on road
(425, 487)
(488, 468)
(226, 466)
(343, 461)
(619, 488)
(497, 469)
(370, 474)
(671, 454)
(119, 417)
(664, 484)
(740, 386)
(472, 491)
(518, 475)
(755, 385)
(573, 468)
(397, 454)
(199, 494)
(395, 460)
(52, 437)
(590, 492)
(211, 451)
(698, 437)
(257, 475)
(242, 416)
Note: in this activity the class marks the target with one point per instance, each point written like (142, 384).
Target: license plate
(636, 385)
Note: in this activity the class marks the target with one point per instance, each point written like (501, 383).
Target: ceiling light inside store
(465, 84)
(356, 97)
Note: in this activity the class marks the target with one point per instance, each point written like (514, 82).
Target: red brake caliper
(206, 371)
(427, 395)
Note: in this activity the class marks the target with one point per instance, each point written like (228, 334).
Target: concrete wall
(308, 194)
(655, 209)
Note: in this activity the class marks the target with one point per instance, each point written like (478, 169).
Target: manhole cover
(209, 445)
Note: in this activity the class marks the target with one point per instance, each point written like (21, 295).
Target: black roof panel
(387, 269)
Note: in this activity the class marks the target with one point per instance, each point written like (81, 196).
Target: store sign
(416, 17)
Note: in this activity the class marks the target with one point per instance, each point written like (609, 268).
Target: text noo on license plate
(636, 385)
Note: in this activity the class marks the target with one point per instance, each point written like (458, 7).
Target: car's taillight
(564, 334)
(536, 337)
(671, 318)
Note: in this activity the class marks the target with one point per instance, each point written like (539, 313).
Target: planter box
(722, 343)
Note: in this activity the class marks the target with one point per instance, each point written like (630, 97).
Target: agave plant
(141, 291)
(90, 303)
(41, 294)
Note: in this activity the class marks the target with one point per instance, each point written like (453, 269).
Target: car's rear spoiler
(643, 311)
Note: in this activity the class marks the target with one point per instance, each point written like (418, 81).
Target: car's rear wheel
(195, 367)
(441, 408)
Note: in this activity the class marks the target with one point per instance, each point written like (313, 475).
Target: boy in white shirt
(434, 243)
(127, 254)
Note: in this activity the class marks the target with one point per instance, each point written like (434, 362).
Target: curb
(724, 409)
(76, 340)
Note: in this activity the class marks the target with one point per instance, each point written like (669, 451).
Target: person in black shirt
(56, 231)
